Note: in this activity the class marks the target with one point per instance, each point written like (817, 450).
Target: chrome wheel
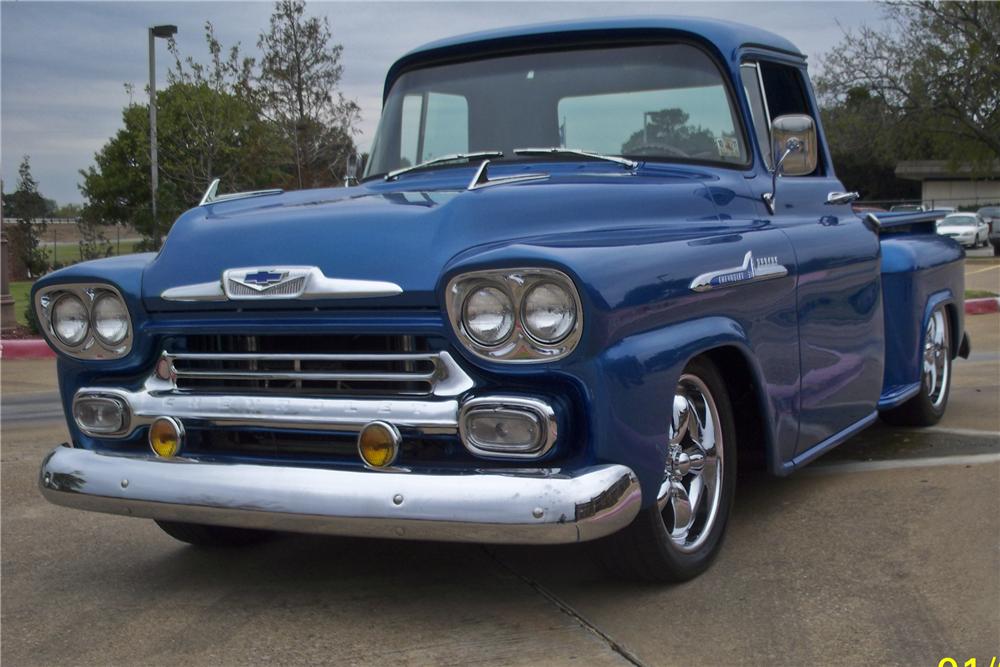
(936, 358)
(690, 495)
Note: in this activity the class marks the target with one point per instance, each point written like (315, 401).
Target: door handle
(836, 198)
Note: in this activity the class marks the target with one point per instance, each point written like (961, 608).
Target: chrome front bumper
(529, 506)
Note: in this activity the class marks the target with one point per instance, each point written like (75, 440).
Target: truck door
(838, 290)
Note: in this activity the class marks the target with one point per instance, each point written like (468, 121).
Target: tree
(28, 206)
(935, 72)
(297, 85)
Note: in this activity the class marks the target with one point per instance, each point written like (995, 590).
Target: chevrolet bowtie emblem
(263, 278)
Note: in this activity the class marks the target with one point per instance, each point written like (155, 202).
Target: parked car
(967, 229)
(991, 216)
(569, 294)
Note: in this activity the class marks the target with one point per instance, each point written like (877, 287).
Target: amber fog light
(378, 444)
(166, 436)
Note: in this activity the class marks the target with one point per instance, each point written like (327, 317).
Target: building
(946, 184)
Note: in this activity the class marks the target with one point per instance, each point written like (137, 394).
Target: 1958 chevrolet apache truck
(587, 267)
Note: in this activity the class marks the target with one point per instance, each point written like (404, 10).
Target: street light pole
(165, 31)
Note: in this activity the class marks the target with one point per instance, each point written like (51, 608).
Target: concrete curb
(29, 348)
(982, 306)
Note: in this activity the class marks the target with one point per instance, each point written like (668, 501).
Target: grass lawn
(978, 294)
(20, 290)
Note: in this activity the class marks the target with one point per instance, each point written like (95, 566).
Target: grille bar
(361, 374)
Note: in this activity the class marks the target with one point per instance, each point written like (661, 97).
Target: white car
(967, 228)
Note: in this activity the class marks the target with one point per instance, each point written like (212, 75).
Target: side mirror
(794, 150)
(351, 172)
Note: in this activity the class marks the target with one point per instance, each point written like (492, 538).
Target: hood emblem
(270, 283)
(751, 271)
(280, 282)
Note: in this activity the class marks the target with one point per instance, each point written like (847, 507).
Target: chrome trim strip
(212, 195)
(530, 506)
(443, 159)
(481, 179)
(543, 412)
(316, 414)
(766, 268)
(315, 285)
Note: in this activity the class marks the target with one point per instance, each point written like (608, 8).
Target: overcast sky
(63, 65)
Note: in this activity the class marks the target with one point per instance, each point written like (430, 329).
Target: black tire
(996, 249)
(928, 406)
(645, 550)
(213, 537)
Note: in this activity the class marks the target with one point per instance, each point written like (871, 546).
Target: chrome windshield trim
(312, 284)
(454, 157)
(481, 179)
(556, 150)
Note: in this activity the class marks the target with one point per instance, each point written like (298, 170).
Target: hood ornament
(751, 271)
(280, 282)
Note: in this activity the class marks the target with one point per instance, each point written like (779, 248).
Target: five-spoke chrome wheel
(690, 495)
(936, 359)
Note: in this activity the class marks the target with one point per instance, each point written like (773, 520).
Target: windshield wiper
(558, 150)
(393, 175)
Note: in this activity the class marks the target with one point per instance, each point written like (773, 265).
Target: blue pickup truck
(587, 268)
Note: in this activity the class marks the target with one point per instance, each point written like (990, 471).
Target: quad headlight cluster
(516, 315)
(85, 321)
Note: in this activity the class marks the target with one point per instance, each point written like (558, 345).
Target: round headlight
(489, 316)
(110, 319)
(69, 320)
(549, 312)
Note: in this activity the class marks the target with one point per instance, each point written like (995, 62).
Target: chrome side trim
(308, 282)
(765, 268)
(529, 506)
(281, 412)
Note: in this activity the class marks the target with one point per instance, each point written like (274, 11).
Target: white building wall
(961, 193)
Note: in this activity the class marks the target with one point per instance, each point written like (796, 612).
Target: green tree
(934, 72)
(298, 87)
(28, 206)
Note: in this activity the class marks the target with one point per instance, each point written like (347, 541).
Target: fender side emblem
(764, 268)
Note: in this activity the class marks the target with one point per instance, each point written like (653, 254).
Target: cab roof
(727, 37)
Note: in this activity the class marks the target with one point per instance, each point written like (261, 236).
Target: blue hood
(413, 230)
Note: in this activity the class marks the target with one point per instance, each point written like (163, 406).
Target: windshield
(959, 220)
(664, 102)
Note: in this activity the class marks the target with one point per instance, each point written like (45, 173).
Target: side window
(781, 92)
(439, 129)
(761, 119)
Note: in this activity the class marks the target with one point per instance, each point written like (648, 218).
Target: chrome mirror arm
(793, 145)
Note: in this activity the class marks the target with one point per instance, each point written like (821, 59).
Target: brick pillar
(7, 318)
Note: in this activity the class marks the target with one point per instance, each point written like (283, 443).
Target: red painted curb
(29, 348)
(982, 306)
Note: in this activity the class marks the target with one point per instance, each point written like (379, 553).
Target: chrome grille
(314, 366)
(291, 287)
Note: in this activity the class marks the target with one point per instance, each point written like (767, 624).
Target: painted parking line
(897, 464)
(988, 268)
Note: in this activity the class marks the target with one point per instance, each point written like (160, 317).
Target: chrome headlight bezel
(516, 283)
(92, 346)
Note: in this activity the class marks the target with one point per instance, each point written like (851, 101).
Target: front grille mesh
(291, 287)
(306, 365)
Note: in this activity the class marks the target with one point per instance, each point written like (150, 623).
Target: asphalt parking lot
(885, 552)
